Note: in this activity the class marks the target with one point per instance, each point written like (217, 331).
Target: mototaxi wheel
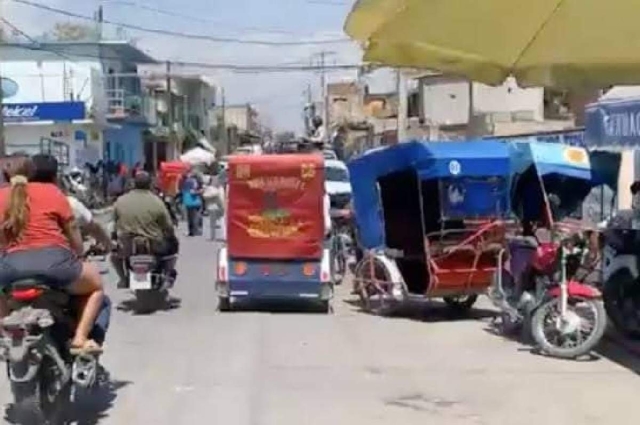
(621, 294)
(541, 319)
(224, 304)
(461, 304)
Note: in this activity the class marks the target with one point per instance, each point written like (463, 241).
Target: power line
(174, 14)
(28, 37)
(182, 34)
(328, 2)
(206, 65)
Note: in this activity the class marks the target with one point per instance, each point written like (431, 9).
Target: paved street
(193, 365)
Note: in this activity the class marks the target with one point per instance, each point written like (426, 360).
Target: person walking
(214, 196)
(192, 202)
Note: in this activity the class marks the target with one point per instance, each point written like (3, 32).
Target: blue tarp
(552, 158)
(456, 160)
(465, 159)
(613, 123)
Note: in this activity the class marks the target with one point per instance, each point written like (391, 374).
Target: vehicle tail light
(222, 273)
(140, 268)
(15, 332)
(308, 269)
(24, 295)
(240, 268)
(325, 269)
(223, 266)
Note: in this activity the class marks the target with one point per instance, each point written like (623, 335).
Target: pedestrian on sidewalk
(214, 196)
(192, 202)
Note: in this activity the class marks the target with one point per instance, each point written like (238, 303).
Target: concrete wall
(124, 144)
(27, 137)
(445, 100)
(238, 116)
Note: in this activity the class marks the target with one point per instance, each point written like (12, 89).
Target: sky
(279, 97)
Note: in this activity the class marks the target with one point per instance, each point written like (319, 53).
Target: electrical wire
(182, 34)
(174, 14)
(204, 65)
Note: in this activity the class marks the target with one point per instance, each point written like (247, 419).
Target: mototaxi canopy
(455, 161)
(558, 169)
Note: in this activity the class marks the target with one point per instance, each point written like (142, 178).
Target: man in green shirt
(141, 213)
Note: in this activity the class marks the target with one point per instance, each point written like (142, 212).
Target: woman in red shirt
(39, 239)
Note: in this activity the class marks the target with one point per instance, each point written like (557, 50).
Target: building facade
(69, 102)
(182, 118)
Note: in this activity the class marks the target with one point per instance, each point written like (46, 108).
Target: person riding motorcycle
(140, 212)
(40, 238)
(45, 171)
(319, 131)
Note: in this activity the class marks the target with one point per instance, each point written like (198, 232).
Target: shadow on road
(131, 306)
(430, 311)
(278, 307)
(89, 408)
(620, 350)
(523, 341)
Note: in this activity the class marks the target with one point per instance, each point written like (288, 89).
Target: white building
(64, 101)
(193, 98)
(506, 109)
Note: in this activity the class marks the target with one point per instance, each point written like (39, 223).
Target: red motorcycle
(566, 317)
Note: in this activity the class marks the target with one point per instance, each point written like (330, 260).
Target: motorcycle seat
(28, 283)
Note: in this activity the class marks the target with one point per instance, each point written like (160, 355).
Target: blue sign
(47, 111)
(613, 123)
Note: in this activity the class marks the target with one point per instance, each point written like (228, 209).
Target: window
(336, 174)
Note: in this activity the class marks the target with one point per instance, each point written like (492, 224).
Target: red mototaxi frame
(275, 207)
(169, 176)
(578, 290)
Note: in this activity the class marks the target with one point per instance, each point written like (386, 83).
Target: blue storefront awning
(613, 123)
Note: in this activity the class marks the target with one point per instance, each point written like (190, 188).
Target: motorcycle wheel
(340, 266)
(621, 295)
(545, 317)
(33, 405)
(224, 304)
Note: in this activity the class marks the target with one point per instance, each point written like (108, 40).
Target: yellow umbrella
(553, 43)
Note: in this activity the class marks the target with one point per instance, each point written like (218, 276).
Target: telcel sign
(46, 111)
(19, 112)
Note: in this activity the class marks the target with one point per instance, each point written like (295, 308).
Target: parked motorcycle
(621, 277)
(43, 373)
(341, 243)
(149, 276)
(566, 318)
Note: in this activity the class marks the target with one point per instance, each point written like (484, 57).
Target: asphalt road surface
(270, 366)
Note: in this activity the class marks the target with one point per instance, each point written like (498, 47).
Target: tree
(67, 31)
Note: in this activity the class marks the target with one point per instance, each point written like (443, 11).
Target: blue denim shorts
(56, 266)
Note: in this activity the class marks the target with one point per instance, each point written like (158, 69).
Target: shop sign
(45, 111)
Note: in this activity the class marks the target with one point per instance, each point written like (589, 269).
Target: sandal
(89, 347)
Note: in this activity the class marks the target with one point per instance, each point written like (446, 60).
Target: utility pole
(323, 85)
(225, 136)
(3, 146)
(172, 138)
(402, 106)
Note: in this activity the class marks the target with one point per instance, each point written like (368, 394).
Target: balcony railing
(121, 105)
